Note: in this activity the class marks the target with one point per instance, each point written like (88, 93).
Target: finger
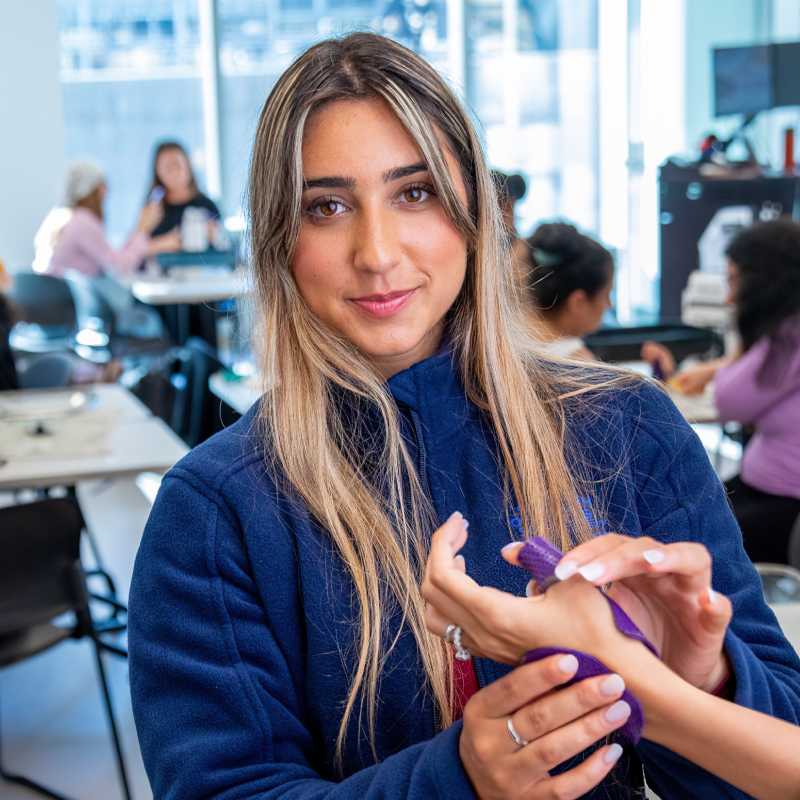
(579, 781)
(542, 716)
(568, 741)
(587, 552)
(645, 556)
(715, 611)
(503, 697)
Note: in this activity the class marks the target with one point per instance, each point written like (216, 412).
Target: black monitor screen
(742, 80)
(786, 58)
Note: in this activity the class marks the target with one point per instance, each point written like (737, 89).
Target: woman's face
(377, 259)
(172, 169)
(597, 306)
(733, 284)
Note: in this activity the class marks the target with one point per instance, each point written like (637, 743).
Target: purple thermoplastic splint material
(540, 558)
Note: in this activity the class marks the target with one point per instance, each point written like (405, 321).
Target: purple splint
(540, 559)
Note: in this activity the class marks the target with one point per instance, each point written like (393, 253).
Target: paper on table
(85, 435)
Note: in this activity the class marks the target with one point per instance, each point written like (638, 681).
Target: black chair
(106, 332)
(196, 414)
(48, 320)
(794, 545)
(41, 578)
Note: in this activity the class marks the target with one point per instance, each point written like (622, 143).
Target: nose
(377, 246)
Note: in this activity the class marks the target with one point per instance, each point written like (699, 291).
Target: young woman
(278, 645)
(756, 753)
(570, 277)
(75, 240)
(173, 175)
(762, 386)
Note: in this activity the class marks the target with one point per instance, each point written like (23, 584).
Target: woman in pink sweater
(762, 386)
(81, 244)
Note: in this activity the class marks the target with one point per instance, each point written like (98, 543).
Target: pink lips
(379, 306)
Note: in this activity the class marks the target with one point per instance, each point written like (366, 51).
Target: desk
(138, 442)
(187, 285)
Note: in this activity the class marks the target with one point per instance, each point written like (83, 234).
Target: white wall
(31, 124)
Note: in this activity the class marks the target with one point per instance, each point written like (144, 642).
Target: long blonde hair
(380, 523)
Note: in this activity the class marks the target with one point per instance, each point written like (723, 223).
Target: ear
(576, 302)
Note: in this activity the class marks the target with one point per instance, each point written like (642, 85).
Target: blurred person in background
(510, 190)
(570, 277)
(175, 186)
(72, 237)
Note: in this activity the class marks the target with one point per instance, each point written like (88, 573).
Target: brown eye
(328, 209)
(414, 194)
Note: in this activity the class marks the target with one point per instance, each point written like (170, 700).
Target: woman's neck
(553, 326)
(177, 198)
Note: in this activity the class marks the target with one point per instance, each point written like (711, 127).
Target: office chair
(48, 321)
(106, 332)
(41, 578)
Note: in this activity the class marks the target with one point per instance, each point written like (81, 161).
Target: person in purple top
(762, 386)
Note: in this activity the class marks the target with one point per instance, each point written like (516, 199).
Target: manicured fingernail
(566, 569)
(529, 590)
(619, 711)
(465, 523)
(508, 546)
(454, 515)
(653, 556)
(611, 756)
(591, 572)
(568, 664)
(612, 685)
(461, 558)
(712, 595)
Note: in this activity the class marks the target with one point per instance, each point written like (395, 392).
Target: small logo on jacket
(597, 526)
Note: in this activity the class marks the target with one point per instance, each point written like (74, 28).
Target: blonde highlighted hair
(379, 519)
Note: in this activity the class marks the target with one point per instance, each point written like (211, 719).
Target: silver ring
(462, 654)
(514, 735)
(449, 632)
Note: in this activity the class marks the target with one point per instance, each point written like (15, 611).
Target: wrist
(713, 683)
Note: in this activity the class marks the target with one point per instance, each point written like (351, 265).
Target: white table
(238, 394)
(138, 442)
(187, 285)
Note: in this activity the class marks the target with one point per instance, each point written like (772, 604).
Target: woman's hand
(151, 215)
(169, 242)
(666, 591)
(695, 379)
(497, 625)
(654, 353)
(557, 725)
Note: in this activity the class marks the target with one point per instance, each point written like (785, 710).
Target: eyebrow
(339, 182)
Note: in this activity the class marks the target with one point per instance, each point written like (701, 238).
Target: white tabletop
(187, 285)
(239, 394)
(138, 442)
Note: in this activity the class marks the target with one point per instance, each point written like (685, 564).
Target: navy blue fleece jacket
(242, 616)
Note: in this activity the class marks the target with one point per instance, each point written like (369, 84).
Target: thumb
(715, 611)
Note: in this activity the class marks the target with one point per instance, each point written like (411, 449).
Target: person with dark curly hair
(762, 386)
(571, 277)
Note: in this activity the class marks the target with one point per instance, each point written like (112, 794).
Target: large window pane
(130, 78)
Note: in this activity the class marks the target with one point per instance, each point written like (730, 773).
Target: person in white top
(570, 280)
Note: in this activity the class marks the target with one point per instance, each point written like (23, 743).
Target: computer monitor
(743, 80)
(786, 74)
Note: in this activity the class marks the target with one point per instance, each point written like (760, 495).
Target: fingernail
(612, 685)
(508, 546)
(653, 556)
(568, 664)
(529, 590)
(611, 756)
(566, 569)
(465, 523)
(712, 595)
(454, 515)
(461, 558)
(591, 572)
(619, 711)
